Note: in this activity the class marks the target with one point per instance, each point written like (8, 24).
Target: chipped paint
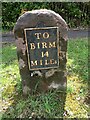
(54, 85)
(20, 45)
(24, 49)
(26, 90)
(21, 63)
(38, 73)
(50, 73)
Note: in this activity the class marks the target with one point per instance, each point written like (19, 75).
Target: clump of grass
(46, 105)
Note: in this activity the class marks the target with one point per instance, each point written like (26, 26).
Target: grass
(46, 104)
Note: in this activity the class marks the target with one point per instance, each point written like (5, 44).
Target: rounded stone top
(40, 18)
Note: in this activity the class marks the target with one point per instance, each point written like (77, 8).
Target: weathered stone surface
(41, 80)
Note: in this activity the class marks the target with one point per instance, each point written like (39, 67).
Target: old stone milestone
(41, 40)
